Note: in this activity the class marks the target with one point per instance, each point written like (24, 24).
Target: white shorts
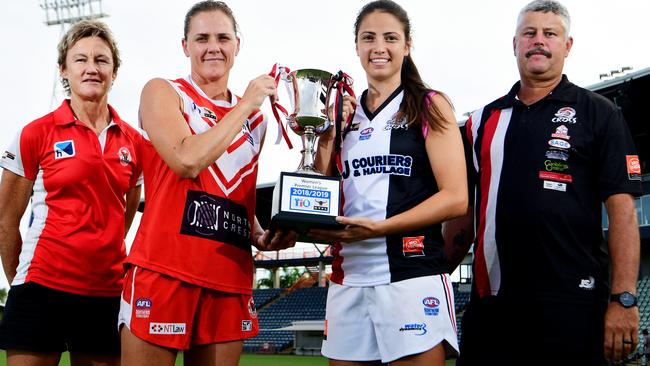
(388, 322)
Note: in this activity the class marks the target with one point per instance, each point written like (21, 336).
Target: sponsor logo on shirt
(142, 308)
(251, 308)
(393, 124)
(246, 325)
(560, 144)
(125, 155)
(561, 133)
(587, 283)
(555, 166)
(366, 133)
(557, 154)
(415, 327)
(64, 149)
(215, 218)
(566, 178)
(633, 167)
(413, 246)
(565, 115)
(207, 113)
(9, 155)
(246, 131)
(392, 164)
(167, 328)
(555, 186)
(431, 306)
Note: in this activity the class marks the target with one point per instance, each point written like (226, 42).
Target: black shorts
(537, 333)
(41, 319)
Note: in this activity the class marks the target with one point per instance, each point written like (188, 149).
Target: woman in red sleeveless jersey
(188, 286)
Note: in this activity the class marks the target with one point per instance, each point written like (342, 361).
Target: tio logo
(299, 202)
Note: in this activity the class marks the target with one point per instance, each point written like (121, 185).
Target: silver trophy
(307, 198)
(309, 97)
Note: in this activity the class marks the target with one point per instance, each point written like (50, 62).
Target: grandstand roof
(620, 79)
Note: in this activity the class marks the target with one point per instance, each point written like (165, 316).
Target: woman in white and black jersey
(403, 170)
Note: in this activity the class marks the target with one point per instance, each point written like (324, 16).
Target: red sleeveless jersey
(199, 230)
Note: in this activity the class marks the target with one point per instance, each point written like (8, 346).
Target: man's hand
(621, 331)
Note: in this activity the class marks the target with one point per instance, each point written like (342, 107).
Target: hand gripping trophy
(307, 198)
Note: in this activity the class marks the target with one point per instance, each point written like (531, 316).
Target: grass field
(246, 360)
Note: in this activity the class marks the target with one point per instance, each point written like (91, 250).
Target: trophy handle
(343, 83)
(331, 86)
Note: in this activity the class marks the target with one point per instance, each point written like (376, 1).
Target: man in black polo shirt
(544, 158)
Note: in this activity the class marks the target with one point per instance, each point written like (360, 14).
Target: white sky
(463, 48)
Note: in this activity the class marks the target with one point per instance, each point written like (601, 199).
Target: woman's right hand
(258, 89)
(349, 104)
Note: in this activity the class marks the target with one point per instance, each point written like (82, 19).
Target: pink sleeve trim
(425, 125)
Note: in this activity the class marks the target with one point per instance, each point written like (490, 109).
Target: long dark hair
(414, 104)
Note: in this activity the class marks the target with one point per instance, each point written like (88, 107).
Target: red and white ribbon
(276, 73)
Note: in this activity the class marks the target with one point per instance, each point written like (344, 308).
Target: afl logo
(366, 133)
(560, 144)
(124, 155)
(143, 303)
(565, 115)
(431, 302)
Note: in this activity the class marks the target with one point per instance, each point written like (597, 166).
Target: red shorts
(175, 314)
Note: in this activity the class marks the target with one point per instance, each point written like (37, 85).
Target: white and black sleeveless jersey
(386, 171)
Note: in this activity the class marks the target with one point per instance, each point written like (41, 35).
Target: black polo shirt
(542, 172)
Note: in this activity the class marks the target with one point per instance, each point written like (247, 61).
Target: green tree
(265, 283)
(288, 276)
(3, 295)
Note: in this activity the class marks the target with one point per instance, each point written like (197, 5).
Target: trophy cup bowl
(306, 198)
(308, 95)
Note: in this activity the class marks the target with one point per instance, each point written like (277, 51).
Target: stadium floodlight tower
(63, 12)
(67, 12)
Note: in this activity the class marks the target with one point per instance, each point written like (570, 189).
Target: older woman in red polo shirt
(79, 164)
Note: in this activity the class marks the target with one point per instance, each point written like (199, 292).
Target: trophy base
(301, 223)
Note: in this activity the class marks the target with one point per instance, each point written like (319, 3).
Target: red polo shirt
(76, 241)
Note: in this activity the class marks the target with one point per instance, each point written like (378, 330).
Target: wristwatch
(626, 299)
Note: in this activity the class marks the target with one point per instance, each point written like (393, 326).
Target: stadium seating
(269, 341)
(301, 304)
(460, 301)
(643, 291)
(280, 311)
(264, 296)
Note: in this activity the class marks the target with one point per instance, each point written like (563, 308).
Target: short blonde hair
(84, 29)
